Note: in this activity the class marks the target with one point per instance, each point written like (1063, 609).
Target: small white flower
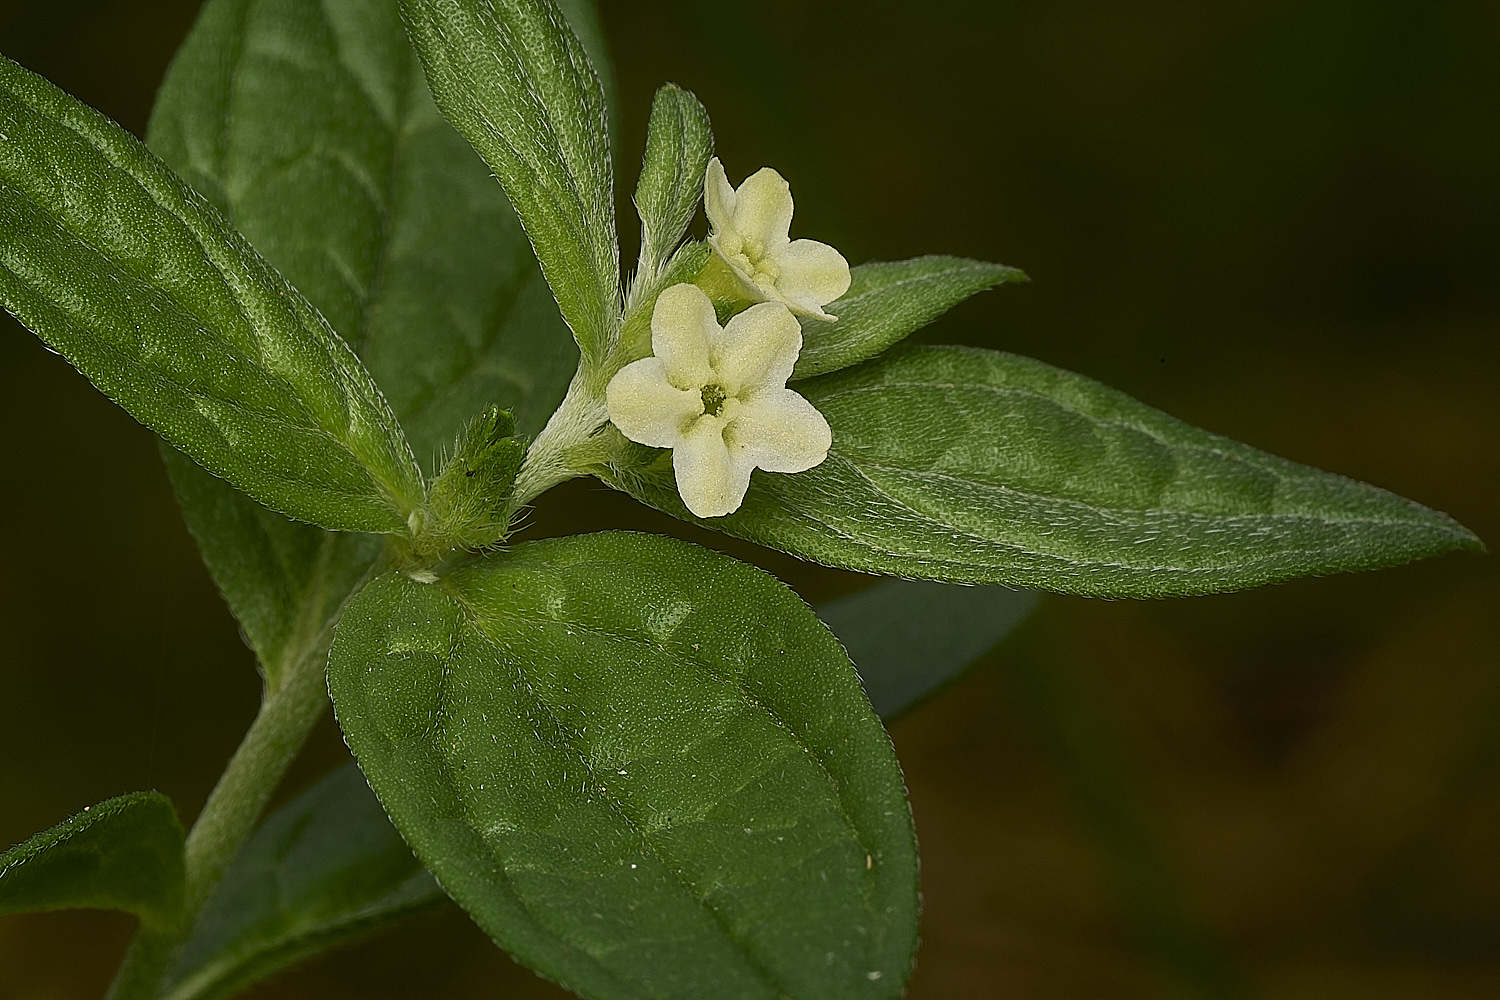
(717, 397)
(748, 228)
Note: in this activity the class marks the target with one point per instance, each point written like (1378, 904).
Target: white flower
(748, 228)
(718, 398)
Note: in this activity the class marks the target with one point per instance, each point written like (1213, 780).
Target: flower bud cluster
(716, 395)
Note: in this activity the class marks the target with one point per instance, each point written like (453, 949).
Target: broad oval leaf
(679, 142)
(328, 868)
(888, 301)
(323, 870)
(514, 79)
(123, 854)
(129, 274)
(909, 638)
(974, 466)
(647, 770)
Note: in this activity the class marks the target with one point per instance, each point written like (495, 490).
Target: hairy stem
(280, 728)
(287, 713)
(278, 732)
(563, 449)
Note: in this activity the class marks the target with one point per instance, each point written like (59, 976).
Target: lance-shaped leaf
(371, 203)
(978, 467)
(123, 854)
(645, 769)
(129, 274)
(325, 869)
(888, 301)
(390, 224)
(908, 638)
(679, 142)
(583, 18)
(514, 79)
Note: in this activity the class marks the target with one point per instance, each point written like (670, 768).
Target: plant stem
(557, 453)
(280, 728)
(278, 732)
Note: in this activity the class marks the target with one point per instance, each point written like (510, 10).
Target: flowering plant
(642, 767)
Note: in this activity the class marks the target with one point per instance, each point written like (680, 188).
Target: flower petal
(718, 196)
(812, 275)
(757, 350)
(646, 407)
(682, 326)
(710, 482)
(763, 209)
(780, 432)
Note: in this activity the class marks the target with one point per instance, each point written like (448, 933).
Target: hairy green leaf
(470, 496)
(679, 142)
(123, 854)
(888, 301)
(143, 286)
(323, 870)
(328, 867)
(312, 127)
(645, 769)
(978, 467)
(908, 638)
(514, 79)
(583, 18)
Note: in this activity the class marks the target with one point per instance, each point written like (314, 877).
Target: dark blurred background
(1276, 220)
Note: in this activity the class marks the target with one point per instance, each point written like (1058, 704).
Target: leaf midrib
(478, 618)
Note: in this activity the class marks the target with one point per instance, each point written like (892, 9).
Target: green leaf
(583, 17)
(328, 867)
(908, 638)
(123, 854)
(394, 229)
(144, 287)
(371, 203)
(679, 142)
(284, 581)
(323, 870)
(972, 466)
(888, 301)
(646, 770)
(514, 79)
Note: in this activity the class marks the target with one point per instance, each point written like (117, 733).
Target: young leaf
(123, 854)
(978, 467)
(644, 768)
(908, 638)
(371, 203)
(323, 870)
(470, 496)
(679, 142)
(888, 301)
(143, 286)
(284, 581)
(513, 78)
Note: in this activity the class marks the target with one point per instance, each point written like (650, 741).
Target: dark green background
(1277, 220)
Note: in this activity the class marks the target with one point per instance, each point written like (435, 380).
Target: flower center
(713, 399)
(750, 256)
